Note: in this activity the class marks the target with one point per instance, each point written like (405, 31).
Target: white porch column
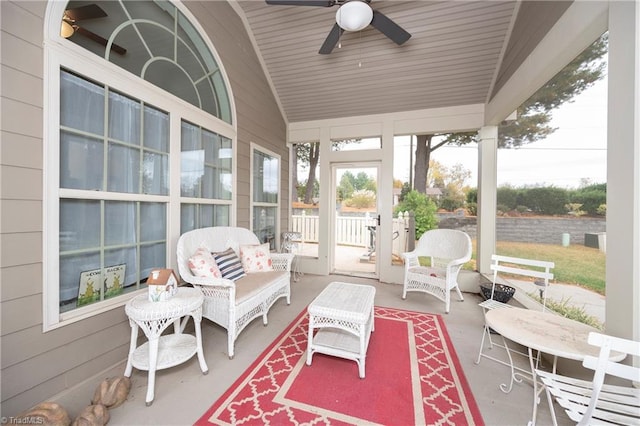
(623, 172)
(487, 183)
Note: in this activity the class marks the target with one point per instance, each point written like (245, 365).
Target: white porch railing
(352, 230)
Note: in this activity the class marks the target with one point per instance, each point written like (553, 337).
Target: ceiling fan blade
(320, 3)
(389, 28)
(331, 40)
(99, 39)
(90, 11)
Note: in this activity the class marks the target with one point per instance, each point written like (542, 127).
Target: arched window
(156, 42)
(140, 147)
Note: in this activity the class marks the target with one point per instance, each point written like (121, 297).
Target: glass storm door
(355, 220)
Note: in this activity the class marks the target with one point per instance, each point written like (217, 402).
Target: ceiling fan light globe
(354, 15)
(66, 29)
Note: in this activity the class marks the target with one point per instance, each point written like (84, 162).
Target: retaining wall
(544, 230)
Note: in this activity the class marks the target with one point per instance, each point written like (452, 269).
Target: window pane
(151, 257)
(265, 178)
(206, 164)
(79, 224)
(153, 223)
(127, 257)
(71, 268)
(124, 118)
(155, 174)
(194, 216)
(81, 104)
(356, 144)
(120, 223)
(156, 129)
(124, 169)
(81, 162)
(264, 224)
(187, 217)
(306, 184)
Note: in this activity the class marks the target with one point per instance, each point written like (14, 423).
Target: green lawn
(580, 265)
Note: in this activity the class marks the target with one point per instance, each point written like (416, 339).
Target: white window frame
(252, 204)
(61, 53)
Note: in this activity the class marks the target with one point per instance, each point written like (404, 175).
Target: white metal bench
(529, 268)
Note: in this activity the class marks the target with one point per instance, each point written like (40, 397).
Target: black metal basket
(502, 293)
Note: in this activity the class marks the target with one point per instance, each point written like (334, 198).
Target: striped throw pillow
(229, 264)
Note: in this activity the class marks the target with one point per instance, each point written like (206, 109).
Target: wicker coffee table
(342, 318)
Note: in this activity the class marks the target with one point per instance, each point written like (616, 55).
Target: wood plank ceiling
(453, 58)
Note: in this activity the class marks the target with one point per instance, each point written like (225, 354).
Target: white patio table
(169, 350)
(343, 316)
(545, 332)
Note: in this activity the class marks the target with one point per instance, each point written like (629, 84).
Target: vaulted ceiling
(459, 53)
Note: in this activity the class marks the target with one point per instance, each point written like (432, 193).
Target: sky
(575, 151)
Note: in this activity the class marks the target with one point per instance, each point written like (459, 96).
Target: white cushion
(256, 258)
(202, 264)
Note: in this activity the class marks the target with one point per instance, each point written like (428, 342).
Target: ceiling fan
(69, 25)
(352, 15)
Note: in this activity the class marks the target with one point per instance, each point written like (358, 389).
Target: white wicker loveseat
(234, 304)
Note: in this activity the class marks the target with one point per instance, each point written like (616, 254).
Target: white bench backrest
(215, 238)
(497, 265)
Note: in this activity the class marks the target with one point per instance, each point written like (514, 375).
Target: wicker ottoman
(342, 318)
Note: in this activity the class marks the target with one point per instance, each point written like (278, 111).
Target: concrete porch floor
(183, 393)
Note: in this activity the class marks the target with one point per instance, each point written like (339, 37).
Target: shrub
(361, 199)
(450, 204)
(602, 210)
(422, 207)
(502, 208)
(575, 209)
(591, 197)
(547, 200)
(472, 196)
(507, 198)
(472, 209)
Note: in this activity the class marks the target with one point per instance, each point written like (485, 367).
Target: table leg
(132, 347)
(310, 340)
(513, 377)
(373, 319)
(362, 328)
(153, 363)
(197, 320)
(535, 387)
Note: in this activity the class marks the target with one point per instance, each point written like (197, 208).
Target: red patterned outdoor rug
(413, 376)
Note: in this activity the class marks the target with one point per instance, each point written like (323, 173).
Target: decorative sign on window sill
(112, 278)
(163, 283)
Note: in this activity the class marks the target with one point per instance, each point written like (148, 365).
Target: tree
(307, 155)
(450, 180)
(534, 115)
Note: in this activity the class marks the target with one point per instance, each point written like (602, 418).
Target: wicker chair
(448, 250)
(594, 402)
(225, 304)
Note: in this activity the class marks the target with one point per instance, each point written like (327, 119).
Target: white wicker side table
(169, 350)
(342, 314)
